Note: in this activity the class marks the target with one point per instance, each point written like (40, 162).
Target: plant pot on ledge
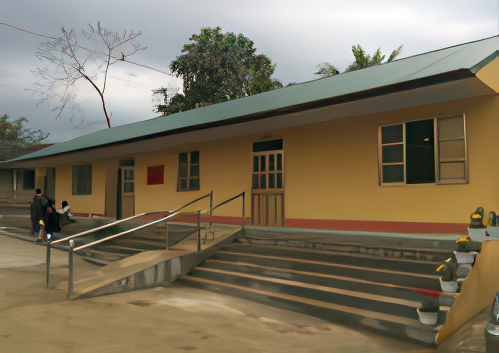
(449, 286)
(430, 305)
(428, 316)
(448, 275)
(477, 234)
(465, 257)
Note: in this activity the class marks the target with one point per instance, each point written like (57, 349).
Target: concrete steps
(377, 292)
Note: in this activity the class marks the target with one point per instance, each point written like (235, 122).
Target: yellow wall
(94, 203)
(489, 74)
(332, 170)
(40, 178)
(224, 168)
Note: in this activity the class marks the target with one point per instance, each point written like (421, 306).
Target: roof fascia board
(484, 62)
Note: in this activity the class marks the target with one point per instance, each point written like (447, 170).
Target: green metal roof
(420, 70)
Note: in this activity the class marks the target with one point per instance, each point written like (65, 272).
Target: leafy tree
(362, 60)
(326, 70)
(16, 139)
(217, 67)
(86, 56)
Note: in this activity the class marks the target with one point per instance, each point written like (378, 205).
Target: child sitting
(65, 215)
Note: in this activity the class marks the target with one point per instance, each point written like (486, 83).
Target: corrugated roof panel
(464, 56)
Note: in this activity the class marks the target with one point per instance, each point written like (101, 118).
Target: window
(25, 179)
(188, 171)
(267, 165)
(29, 179)
(82, 179)
(425, 151)
(128, 174)
(155, 175)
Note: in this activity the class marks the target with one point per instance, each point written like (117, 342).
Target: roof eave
(346, 98)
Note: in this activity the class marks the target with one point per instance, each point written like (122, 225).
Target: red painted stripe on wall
(348, 225)
(378, 226)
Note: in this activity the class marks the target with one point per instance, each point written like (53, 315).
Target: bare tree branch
(66, 61)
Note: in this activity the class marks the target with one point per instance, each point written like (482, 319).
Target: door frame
(267, 192)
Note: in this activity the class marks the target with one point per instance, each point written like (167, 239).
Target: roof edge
(450, 76)
(484, 62)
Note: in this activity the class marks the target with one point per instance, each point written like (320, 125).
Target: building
(404, 146)
(17, 186)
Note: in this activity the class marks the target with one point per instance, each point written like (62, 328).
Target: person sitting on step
(65, 215)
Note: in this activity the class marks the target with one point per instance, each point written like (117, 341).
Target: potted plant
(466, 244)
(476, 230)
(448, 275)
(428, 311)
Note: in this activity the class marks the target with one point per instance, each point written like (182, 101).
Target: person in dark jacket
(51, 221)
(37, 210)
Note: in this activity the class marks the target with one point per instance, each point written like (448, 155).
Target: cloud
(296, 35)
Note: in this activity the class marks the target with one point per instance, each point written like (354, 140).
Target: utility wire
(127, 61)
(147, 67)
(20, 29)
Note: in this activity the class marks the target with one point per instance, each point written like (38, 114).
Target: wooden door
(267, 199)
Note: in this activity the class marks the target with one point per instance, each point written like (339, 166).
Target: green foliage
(16, 139)
(217, 67)
(326, 70)
(362, 60)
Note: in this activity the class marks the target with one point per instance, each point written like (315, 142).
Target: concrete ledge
(412, 248)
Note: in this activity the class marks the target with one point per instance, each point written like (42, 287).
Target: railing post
(211, 209)
(199, 231)
(167, 241)
(244, 206)
(47, 259)
(70, 266)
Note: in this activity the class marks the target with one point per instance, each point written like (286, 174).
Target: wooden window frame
(438, 159)
(189, 177)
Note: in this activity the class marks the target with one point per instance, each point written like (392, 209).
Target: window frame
(188, 178)
(79, 189)
(438, 161)
(20, 179)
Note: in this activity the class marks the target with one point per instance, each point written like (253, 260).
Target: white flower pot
(477, 234)
(448, 286)
(493, 232)
(428, 317)
(465, 257)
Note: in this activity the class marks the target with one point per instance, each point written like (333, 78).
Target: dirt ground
(172, 319)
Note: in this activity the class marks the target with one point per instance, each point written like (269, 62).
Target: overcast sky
(296, 35)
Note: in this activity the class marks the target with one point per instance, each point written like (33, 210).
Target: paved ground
(172, 319)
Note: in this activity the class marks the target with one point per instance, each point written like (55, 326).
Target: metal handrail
(229, 200)
(243, 195)
(124, 220)
(88, 231)
(71, 238)
(124, 232)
